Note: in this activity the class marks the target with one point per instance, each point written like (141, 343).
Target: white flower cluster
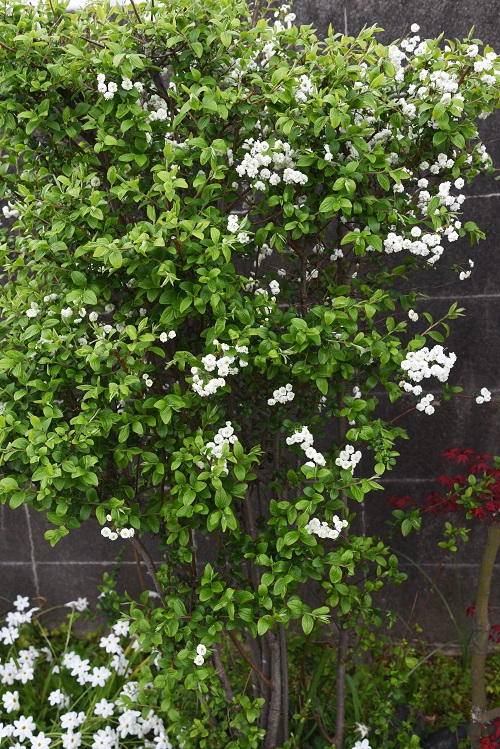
(9, 211)
(323, 530)
(428, 363)
(484, 397)
(233, 227)
(200, 653)
(282, 395)
(157, 109)
(109, 90)
(305, 439)
(113, 535)
(262, 155)
(164, 337)
(424, 245)
(413, 315)
(224, 367)
(425, 404)
(275, 289)
(422, 364)
(122, 532)
(466, 273)
(287, 18)
(213, 449)
(409, 388)
(305, 89)
(263, 252)
(348, 458)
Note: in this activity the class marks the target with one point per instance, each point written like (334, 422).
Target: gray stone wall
(28, 565)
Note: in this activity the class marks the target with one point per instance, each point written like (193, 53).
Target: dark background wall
(28, 565)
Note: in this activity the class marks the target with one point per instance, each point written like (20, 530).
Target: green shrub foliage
(217, 219)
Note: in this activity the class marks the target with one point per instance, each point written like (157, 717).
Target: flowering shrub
(214, 214)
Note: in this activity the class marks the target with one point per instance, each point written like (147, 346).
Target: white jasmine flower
(104, 708)
(11, 701)
(80, 604)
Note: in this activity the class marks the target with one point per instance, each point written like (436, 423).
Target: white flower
(41, 741)
(364, 744)
(201, 649)
(105, 738)
(414, 28)
(111, 643)
(360, 727)
(24, 727)
(72, 720)
(80, 604)
(59, 698)
(99, 676)
(71, 740)
(413, 315)
(199, 660)
(11, 701)
(8, 635)
(21, 603)
(31, 312)
(104, 708)
(66, 312)
(93, 316)
(121, 628)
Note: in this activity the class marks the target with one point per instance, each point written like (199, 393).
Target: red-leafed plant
(473, 492)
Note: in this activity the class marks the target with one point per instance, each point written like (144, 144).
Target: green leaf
(116, 258)
(329, 205)
(322, 385)
(307, 624)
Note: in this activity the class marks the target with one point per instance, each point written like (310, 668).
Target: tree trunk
(480, 635)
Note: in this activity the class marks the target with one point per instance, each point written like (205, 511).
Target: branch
(150, 565)
(284, 686)
(490, 715)
(255, 14)
(221, 673)
(340, 699)
(322, 730)
(135, 11)
(241, 651)
(273, 720)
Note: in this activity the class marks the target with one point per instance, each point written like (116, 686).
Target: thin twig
(135, 11)
(6, 46)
